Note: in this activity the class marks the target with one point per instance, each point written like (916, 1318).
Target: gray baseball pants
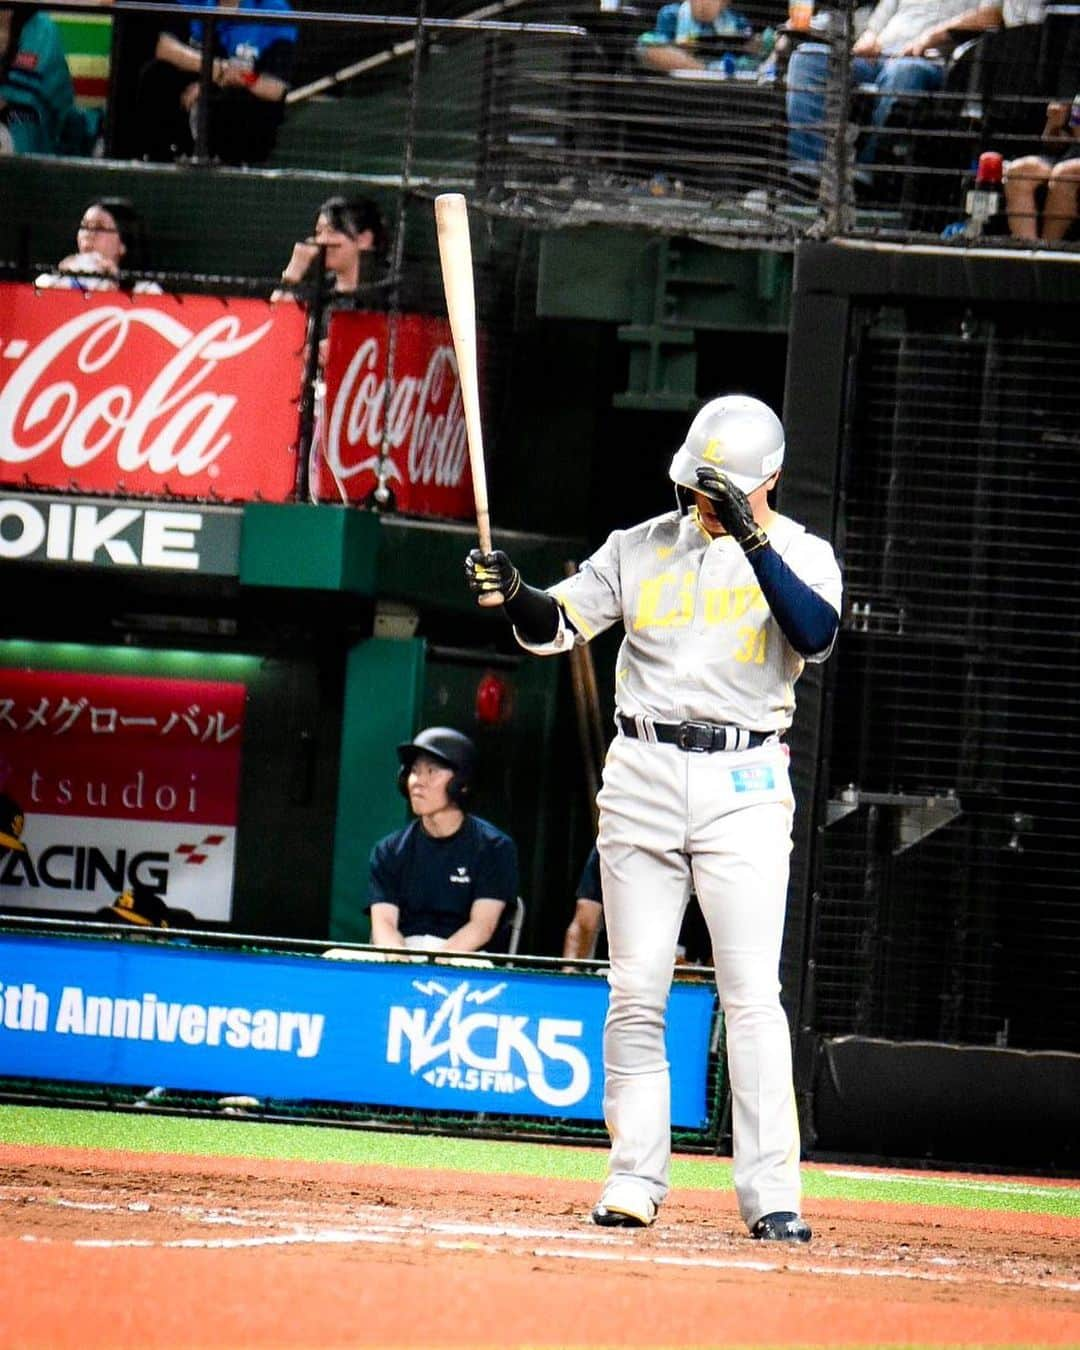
(722, 821)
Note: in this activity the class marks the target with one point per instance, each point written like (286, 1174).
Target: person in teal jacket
(696, 34)
(38, 113)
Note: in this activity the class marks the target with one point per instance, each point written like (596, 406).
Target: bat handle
(483, 530)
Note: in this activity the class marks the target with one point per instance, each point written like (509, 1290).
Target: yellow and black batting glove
(491, 573)
(733, 510)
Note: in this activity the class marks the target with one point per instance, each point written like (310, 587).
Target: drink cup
(800, 12)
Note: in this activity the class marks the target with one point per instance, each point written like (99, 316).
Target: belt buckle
(695, 737)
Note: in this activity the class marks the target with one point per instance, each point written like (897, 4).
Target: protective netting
(714, 1137)
(558, 113)
(950, 906)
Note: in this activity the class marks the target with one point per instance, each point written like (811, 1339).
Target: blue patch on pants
(753, 778)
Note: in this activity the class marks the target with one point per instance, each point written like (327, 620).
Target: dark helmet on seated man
(452, 748)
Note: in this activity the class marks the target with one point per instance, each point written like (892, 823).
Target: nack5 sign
(460, 1043)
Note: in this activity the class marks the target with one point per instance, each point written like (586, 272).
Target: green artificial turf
(148, 1133)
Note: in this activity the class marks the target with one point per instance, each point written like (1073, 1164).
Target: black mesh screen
(950, 887)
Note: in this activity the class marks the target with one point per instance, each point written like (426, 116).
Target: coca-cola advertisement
(112, 782)
(419, 442)
(157, 395)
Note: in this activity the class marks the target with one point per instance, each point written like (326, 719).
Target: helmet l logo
(712, 450)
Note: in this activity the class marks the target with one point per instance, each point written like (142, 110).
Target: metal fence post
(317, 306)
(206, 85)
(836, 179)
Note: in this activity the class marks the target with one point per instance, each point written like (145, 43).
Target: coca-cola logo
(425, 415)
(74, 393)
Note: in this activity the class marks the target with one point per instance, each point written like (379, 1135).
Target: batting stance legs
(726, 820)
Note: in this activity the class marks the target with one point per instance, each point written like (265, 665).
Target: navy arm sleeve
(806, 619)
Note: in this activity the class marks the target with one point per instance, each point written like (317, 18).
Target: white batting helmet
(741, 437)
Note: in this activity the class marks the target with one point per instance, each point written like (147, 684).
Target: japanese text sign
(121, 780)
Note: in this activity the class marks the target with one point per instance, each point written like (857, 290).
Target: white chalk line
(944, 1183)
(410, 1229)
(763, 1267)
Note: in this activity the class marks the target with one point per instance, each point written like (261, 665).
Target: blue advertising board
(436, 1036)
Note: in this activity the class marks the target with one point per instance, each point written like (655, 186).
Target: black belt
(696, 737)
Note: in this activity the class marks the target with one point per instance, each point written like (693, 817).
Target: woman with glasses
(109, 244)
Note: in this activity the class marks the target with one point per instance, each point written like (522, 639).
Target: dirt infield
(107, 1249)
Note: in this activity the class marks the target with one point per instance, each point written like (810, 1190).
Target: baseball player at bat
(722, 601)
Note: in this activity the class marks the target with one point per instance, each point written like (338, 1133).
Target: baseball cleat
(624, 1206)
(783, 1226)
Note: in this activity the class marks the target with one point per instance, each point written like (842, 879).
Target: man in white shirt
(899, 51)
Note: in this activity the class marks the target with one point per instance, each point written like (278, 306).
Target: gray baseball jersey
(701, 642)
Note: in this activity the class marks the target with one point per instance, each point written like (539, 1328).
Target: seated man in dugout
(699, 34)
(899, 52)
(582, 937)
(445, 881)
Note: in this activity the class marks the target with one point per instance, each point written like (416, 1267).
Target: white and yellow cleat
(624, 1204)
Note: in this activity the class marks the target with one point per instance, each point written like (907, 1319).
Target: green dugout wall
(383, 686)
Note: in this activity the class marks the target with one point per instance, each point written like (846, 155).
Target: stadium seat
(87, 43)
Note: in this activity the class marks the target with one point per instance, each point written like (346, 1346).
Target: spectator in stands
(251, 67)
(991, 14)
(1053, 180)
(445, 881)
(352, 232)
(109, 245)
(882, 57)
(38, 114)
(694, 34)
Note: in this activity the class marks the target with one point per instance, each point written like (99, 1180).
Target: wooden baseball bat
(455, 257)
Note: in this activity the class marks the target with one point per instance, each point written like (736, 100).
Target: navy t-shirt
(694, 935)
(270, 46)
(588, 888)
(434, 882)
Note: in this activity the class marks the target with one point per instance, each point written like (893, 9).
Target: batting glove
(491, 573)
(732, 508)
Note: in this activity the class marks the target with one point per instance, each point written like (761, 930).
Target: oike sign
(97, 533)
(429, 1037)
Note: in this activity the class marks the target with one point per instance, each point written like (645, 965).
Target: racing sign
(428, 1036)
(120, 780)
(157, 395)
(418, 441)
